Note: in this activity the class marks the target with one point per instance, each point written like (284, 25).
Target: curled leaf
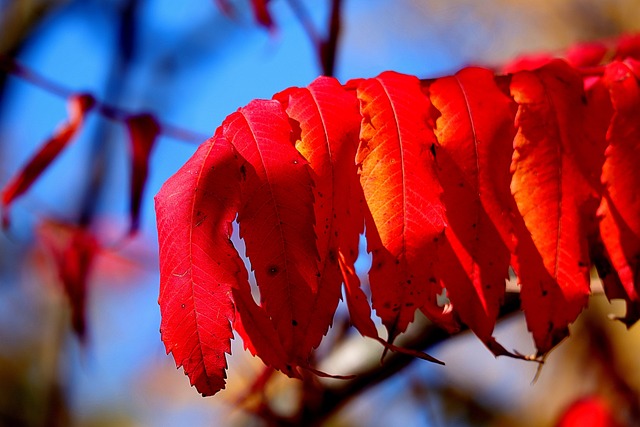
(198, 264)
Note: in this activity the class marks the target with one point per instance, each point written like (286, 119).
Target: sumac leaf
(276, 218)
(143, 130)
(475, 133)
(329, 121)
(198, 264)
(261, 13)
(404, 215)
(619, 210)
(551, 194)
(78, 106)
(74, 249)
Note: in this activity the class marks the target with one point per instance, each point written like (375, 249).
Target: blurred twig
(321, 401)
(15, 68)
(327, 46)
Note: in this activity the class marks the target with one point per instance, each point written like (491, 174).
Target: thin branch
(329, 47)
(326, 47)
(321, 401)
(306, 22)
(15, 68)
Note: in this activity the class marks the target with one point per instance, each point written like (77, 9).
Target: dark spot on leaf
(544, 292)
(273, 270)
(243, 172)
(409, 304)
(182, 306)
(433, 149)
(408, 281)
(387, 305)
(294, 322)
(332, 256)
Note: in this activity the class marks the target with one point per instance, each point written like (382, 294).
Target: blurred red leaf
(261, 13)
(591, 411)
(78, 106)
(74, 250)
(143, 130)
(620, 207)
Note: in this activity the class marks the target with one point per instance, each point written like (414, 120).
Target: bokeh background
(190, 65)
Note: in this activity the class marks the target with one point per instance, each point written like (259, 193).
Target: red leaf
(143, 131)
(261, 13)
(198, 264)
(276, 218)
(527, 62)
(620, 207)
(551, 194)
(590, 411)
(78, 106)
(329, 120)
(257, 331)
(475, 133)
(628, 46)
(405, 216)
(74, 250)
(586, 54)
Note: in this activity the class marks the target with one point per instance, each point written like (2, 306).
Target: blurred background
(190, 64)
